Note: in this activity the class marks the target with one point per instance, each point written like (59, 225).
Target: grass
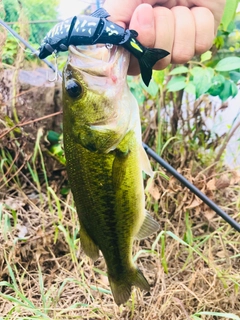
(192, 264)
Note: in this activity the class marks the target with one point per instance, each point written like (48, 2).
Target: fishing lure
(94, 29)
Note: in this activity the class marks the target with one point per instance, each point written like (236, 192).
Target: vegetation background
(193, 264)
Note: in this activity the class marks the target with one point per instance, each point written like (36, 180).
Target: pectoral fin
(98, 138)
(145, 163)
(148, 227)
(119, 165)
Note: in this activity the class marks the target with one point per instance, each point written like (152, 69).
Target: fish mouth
(100, 60)
(99, 52)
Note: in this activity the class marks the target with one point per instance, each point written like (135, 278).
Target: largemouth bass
(105, 159)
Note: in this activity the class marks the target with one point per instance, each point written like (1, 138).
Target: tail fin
(148, 60)
(121, 289)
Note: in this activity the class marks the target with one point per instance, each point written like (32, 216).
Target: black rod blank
(34, 51)
(194, 189)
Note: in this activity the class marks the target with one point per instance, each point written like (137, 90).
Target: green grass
(192, 264)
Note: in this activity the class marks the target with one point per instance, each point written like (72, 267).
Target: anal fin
(148, 227)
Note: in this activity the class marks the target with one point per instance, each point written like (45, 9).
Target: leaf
(234, 76)
(65, 191)
(223, 182)
(209, 214)
(219, 42)
(217, 85)
(234, 89)
(211, 184)
(206, 56)
(196, 70)
(228, 64)
(56, 149)
(152, 89)
(195, 203)
(203, 80)
(154, 191)
(229, 13)
(159, 76)
(227, 90)
(136, 89)
(53, 137)
(190, 88)
(176, 83)
(231, 27)
(223, 254)
(179, 70)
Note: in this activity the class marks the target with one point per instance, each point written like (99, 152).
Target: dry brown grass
(193, 264)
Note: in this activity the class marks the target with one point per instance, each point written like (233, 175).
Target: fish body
(105, 159)
(97, 29)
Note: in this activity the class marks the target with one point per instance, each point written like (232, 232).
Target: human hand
(182, 27)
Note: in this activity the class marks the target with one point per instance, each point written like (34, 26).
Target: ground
(192, 264)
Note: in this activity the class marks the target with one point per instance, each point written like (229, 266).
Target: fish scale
(105, 159)
(91, 197)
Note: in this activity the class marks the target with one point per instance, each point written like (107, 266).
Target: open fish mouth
(100, 51)
(100, 60)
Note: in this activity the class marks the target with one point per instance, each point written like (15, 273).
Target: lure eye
(73, 88)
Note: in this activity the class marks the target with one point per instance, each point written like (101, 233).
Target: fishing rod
(192, 188)
(233, 223)
(34, 51)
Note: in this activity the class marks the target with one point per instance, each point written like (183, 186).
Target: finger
(164, 28)
(204, 25)
(184, 38)
(143, 22)
(156, 29)
(121, 11)
(216, 7)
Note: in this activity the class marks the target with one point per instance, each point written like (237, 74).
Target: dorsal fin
(100, 13)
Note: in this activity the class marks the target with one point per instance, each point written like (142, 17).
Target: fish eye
(73, 88)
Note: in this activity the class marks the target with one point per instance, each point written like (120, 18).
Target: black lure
(93, 29)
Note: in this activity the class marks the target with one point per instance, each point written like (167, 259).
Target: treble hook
(108, 46)
(56, 73)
